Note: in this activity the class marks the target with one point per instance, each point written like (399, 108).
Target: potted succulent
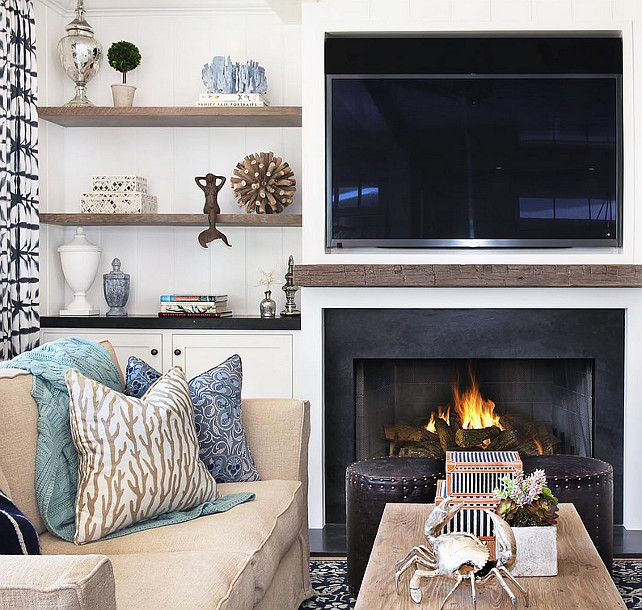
(123, 57)
(530, 508)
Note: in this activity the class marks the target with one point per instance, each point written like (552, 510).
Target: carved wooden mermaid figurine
(211, 187)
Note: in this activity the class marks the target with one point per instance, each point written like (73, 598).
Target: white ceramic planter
(79, 259)
(123, 95)
(536, 551)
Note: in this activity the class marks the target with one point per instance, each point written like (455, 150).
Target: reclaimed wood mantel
(469, 276)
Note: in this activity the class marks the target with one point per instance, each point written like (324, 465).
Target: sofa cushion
(137, 458)
(72, 583)
(19, 438)
(199, 580)
(216, 395)
(262, 531)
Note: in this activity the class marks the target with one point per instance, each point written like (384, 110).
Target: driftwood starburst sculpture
(264, 183)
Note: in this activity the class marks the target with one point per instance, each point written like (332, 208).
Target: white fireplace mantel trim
(309, 374)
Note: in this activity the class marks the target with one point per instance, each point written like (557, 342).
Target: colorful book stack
(194, 305)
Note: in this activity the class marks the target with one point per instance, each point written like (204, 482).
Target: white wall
(621, 16)
(174, 46)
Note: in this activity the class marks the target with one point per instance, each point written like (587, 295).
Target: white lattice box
(118, 203)
(122, 184)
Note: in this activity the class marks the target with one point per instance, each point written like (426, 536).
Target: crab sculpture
(460, 556)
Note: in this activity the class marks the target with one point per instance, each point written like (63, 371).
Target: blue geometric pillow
(216, 395)
(17, 535)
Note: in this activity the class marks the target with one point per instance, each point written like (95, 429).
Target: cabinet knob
(154, 352)
(177, 352)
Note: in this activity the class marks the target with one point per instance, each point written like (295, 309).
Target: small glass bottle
(268, 306)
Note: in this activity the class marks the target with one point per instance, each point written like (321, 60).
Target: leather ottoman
(370, 485)
(588, 484)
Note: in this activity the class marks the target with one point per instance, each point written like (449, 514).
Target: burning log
(504, 441)
(412, 440)
(402, 433)
(454, 421)
(422, 450)
(446, 435)
(476, 436)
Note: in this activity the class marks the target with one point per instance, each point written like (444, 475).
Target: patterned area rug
(330, 582)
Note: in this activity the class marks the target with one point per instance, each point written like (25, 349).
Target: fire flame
(474, 411)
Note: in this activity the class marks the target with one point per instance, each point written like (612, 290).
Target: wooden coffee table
(582, 583)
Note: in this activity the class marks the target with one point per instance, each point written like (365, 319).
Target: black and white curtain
(19, 315)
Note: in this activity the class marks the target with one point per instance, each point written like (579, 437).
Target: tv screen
(474, 160)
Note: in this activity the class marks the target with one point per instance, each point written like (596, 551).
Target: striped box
(477, 473)
(471, 477)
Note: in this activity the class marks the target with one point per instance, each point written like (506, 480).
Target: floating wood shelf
(470, 276)
(170, 116)
(185, 220)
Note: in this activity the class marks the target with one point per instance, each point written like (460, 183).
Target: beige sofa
(253, 556)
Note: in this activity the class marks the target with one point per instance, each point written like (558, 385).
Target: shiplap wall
(174, 47)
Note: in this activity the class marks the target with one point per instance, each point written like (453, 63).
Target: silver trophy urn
(80, 55)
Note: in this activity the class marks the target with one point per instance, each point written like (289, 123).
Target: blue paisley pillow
(216, 395)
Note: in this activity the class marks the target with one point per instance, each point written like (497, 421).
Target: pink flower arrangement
(526, 501)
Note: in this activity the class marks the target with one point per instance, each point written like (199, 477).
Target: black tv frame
(615, 242)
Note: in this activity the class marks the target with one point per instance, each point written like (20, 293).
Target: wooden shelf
(168, 116)
(185, 220)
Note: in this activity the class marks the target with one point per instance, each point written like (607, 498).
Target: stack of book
(194, 305)
(232, 100)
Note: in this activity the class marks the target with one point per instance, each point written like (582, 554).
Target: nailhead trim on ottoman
(370, 485)
(588, 484)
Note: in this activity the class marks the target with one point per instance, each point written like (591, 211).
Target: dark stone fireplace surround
(354, 334)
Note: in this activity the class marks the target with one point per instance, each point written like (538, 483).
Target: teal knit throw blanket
(56, 457)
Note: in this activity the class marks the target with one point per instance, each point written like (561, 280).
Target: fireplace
(426, 407)
(560, 371)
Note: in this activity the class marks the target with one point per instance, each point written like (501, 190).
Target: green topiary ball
(123, 57)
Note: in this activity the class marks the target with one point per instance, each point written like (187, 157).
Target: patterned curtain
(19, 315)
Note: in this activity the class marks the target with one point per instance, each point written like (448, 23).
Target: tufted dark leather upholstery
(370, 484)
(588, 484)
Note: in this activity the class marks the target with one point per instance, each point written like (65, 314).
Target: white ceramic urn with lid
(80, 259)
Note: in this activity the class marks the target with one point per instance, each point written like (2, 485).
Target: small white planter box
(536, 551)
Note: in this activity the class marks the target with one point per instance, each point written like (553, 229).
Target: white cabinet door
(146, 346)
(267, 360)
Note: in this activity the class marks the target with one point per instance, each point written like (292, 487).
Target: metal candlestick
(290, 290)
(80, 54)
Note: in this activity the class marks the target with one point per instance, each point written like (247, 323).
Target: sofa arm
(61, 582)
(278, 431)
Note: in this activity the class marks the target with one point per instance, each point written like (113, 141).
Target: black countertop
(171, 323)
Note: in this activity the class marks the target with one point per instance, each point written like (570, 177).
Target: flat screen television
(474, 160)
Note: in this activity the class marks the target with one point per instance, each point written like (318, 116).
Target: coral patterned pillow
(216, 395)
(137, 458)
